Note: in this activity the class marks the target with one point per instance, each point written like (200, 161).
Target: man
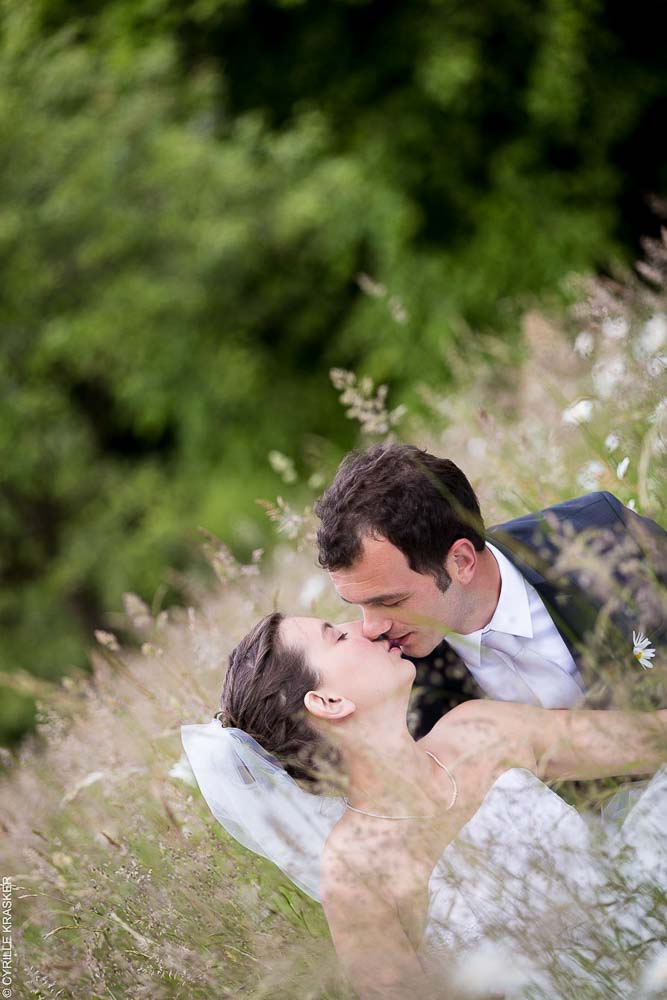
(549, 609)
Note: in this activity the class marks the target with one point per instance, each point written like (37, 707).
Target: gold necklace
(455, 792)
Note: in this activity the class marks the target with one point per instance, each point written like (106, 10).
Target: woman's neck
(391, 774)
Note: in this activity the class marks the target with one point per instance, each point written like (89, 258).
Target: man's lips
(398, 640)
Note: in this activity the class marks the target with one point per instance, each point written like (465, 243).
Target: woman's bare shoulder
(495, 730)
(486, 712)
(352, 864)
(476, 712)
(351, 843)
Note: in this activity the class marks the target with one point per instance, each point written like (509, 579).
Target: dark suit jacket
(601, 571)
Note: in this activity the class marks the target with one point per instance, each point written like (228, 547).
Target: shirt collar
(512, 614)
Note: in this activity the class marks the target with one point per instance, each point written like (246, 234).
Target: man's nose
(374, 626)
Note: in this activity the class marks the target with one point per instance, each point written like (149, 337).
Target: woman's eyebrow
(325, 626)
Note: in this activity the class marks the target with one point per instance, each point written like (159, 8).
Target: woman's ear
(328, 705)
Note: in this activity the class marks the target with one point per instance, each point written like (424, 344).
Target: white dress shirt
(520, 655)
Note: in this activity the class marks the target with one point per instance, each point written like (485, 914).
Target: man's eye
(343, 635)
(394, 605)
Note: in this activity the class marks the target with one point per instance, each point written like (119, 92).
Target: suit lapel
(572, 611)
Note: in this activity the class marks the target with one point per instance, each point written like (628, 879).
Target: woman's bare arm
(581, 743)
(574, 743)
(373, 948)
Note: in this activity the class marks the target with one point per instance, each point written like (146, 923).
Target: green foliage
(139, 393)
(204, 206)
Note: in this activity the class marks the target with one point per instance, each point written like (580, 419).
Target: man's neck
(484, 599)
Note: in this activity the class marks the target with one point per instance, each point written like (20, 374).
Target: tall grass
(124, 885)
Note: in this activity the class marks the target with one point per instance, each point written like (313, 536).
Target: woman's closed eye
(343, 635)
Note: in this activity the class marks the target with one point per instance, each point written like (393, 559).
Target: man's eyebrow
(380, 599)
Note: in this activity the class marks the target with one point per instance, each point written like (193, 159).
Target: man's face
(405, 606)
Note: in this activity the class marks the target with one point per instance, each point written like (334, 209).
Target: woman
(444, 842)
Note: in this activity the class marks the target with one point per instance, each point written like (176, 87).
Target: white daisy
(579, 412)
(641, 651)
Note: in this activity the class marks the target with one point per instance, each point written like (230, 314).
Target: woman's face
(364, 671)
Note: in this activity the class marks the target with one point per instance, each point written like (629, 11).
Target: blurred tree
(516, 139)
(205, 204)
(153, 348)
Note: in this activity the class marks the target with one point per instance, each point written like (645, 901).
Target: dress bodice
(531, 875)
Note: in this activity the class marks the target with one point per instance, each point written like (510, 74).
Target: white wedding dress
(575, 911)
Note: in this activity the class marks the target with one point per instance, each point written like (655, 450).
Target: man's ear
(462, 560)
(328, 705)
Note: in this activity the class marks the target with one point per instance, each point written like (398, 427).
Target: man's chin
(418, 646)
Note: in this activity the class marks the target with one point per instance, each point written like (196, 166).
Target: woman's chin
(410, 671)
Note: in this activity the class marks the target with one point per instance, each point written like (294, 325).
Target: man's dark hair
(420, 503)
(263, 694)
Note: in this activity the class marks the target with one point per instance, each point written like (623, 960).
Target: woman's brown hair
(263, 694)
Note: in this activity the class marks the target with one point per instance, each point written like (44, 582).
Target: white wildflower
(490, 970)
(283, 465)
(606, 376)
(656, 366)
(615, 327)
(288, 522)
(313, 588)
(398, 311)
(148, 649)
(60, 859)
(631, 504)
(622, 467)
(579, 412)
(642, 650)
(137, 611)
(316, 481)
(653, 336)
(590, 473)
(612, 441)
(654, 978)
(477, 448)
(107, 639)
(370, 287)
(584, 344)
(182, 771)
(366, 403)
